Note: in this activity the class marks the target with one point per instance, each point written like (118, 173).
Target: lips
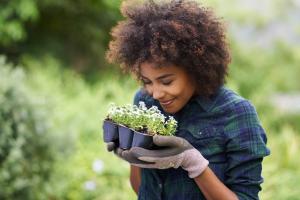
(166, 103)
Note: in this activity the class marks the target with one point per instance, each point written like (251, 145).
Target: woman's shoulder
(240, 115)
(231, 101)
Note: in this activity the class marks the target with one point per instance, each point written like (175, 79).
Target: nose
(157, 93)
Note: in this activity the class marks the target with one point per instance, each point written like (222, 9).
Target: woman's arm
(212, 187)
(135, 178)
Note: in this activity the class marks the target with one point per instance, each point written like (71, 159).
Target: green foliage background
(67, 85)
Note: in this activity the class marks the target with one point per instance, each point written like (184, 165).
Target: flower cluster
(142, 119)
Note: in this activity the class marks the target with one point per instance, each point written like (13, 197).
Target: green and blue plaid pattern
(227, 132)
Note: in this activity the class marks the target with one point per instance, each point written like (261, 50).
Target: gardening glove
(112, 146)
(176, 152)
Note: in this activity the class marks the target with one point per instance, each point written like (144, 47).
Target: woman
(178, 51)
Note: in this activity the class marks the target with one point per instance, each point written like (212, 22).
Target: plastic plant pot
(110, 131)
(125, 137)
(143, 140)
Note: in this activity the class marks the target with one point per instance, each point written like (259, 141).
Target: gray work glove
(176, 152)
(112, 146)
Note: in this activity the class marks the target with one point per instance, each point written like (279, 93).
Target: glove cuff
(194, 163)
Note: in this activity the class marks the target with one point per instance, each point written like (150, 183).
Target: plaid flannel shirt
(227, 132)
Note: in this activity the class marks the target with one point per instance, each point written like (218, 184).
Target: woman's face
(170, 85)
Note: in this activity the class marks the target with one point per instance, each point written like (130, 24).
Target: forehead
(152, 70)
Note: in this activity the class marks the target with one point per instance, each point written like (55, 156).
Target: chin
(170, 110)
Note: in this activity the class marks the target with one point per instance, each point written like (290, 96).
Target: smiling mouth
(166, 103)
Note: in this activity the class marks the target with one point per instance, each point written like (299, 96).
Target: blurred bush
(90, 172)
(77, 32)
(14, 14)
(29, 143)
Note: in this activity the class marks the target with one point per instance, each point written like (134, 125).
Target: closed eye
(145, 82)
(168, 82)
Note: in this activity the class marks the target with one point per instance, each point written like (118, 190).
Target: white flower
(90, 185)
(98, 166)
(142, 106)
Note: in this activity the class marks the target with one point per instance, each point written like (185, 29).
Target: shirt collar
(208, 103)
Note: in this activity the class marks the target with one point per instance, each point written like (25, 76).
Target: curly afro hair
(178, 32)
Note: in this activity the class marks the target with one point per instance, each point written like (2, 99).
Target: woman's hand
(176, 152)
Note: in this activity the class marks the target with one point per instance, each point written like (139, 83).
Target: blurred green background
(55, 86)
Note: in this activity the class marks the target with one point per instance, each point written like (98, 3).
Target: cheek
(175, 90)
(186, 91)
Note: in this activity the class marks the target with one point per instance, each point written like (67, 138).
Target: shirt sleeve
(137, 97)
(245, 149)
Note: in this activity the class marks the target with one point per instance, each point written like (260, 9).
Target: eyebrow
(160, 77)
